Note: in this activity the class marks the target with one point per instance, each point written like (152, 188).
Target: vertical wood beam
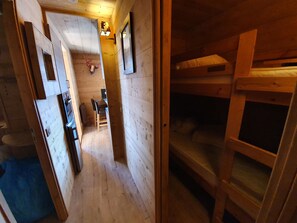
(284, 170)
(162, 57)
(290, 206)
(245, 54)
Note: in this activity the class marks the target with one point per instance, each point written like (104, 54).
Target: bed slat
(267, 84)
(254, 152)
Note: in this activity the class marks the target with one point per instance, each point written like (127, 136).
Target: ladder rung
(265, 157)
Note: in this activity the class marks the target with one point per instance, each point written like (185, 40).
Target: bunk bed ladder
(268, 210)
(243, 66)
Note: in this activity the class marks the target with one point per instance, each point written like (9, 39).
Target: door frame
(162, 15)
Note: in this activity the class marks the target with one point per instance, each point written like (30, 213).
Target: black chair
(95, 110)
(101, 115)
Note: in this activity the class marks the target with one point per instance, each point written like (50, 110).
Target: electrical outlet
(48, 132)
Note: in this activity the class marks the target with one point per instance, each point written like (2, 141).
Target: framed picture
(127, 46)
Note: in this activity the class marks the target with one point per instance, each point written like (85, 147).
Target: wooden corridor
(104, 191)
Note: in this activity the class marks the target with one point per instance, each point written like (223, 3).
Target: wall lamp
(105, 29)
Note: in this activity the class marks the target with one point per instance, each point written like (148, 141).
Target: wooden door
(26, 86)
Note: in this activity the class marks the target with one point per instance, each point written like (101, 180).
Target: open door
(28, 95)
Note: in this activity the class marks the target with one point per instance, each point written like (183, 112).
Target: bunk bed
(234, 172)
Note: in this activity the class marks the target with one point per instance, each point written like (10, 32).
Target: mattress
(274, 72)
(248, 176)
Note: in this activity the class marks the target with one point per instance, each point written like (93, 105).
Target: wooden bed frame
(236, 82)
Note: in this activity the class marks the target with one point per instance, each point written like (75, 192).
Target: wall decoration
(127, 46)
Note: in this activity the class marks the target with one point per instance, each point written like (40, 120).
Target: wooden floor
(104, 191)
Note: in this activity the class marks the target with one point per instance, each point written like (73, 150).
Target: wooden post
(162, 56)
(244, 63)
(284, 172)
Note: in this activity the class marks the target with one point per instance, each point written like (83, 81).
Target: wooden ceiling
(190, 13)
(79, 33)
(95, 8)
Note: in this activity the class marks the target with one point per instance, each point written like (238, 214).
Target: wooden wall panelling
(178, 45)
(80, 33)
(70, 76)
(6, 69)
(276, 31)
(138, 108)
(75, 9)
(13, 106)
(13, 115)
(277, 39)
(244, 62)
(223, 48)
(13, 18)
(51, 118)
(61, 72)
(248, 18)
(284, 171)
(88, 85)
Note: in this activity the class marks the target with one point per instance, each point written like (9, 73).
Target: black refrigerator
(71, 131)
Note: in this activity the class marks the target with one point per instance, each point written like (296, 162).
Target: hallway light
(105, 29)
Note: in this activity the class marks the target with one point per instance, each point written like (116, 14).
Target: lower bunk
(199, 151)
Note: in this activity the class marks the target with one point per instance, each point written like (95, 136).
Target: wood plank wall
(88, 84)
(50, 113)
(12, 108)
(276, 31)
(71, 78)
(114, 99)
(136, 92)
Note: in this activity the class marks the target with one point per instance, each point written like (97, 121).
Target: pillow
(183, 125)
(210, 134)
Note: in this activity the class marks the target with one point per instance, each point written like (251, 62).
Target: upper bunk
(209, 71)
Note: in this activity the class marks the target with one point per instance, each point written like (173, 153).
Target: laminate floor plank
(104, 191)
